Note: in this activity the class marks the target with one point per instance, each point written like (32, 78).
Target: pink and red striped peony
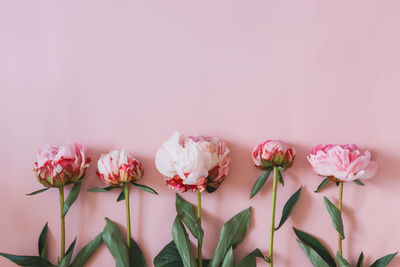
(273, 153)
(61, 165)
(119, 167)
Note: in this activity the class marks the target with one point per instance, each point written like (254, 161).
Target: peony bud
(342, 162)
(273, 153)
(117, 167)
(61, 165)
(193, 162)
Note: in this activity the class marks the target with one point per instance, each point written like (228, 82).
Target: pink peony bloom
(193, 162)
(117, 167)
(273, 153)
(342, 162)
(61, 165)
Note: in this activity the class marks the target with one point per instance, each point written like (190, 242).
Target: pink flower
(273, 153)
(61, 165)
(342, 162)
(117, 167)
(193, 162)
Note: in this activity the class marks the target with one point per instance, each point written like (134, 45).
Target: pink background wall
(115, 74)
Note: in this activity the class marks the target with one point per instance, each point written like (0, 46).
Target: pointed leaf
(168, 257)
(232, 233)
(38, 191)
(68, 255)
(84, 255)
(115, 244)
(121, 196)
(72, 196)
(287, 209)
(136, 258)
(145, 188)
(27, 260)
(228, 259)
(384, 261)
(187, 214)
(105, 189)
(358, 182)
(182, 243)
(250, 259)
(313, 243)
(322, 185)
(360, 260)
(42, 244)
(313, 256)
(341, 261)
(260, 182)
(280, 178)
(336, 216)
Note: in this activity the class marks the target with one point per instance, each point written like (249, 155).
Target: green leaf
(205, 262)
(250, 259)
(38, 191)
(316, 246)
(260, 182)
(121, 196)
(287, 209)
(42, 244)
(136, 258)
(27, 260)
(105, 189)
(168, 257)
(341, 261)
(228, 259)
(313, 256)
(187, 214)
(72, 196)
(322, 185)
(232, 233)
(360, 260)
(68, 255)
(384, 261)
(358, 182)
(84, 255)
(182, 243)
(336, 216)
(211, 189)
(280, 178)
(145, 188)
(115, 244)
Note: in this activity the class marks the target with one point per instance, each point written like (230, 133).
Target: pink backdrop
(114, 74)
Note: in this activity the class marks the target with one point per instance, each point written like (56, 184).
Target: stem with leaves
(340, 210)
(128, 216)
(199, 245)
(271, 237)
(61, 191)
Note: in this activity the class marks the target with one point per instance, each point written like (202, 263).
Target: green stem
(61, 191)
(340, 210)
(199, 245)
(271, 237)
(128, 216)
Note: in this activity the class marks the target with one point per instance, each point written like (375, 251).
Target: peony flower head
(273, 153)
(342, 162)
(61, 165)
(193, 162)
(119, 167)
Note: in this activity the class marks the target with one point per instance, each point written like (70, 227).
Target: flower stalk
(199, 245)
(340, 210)
(272, 231)
(128, 216)
(61, 192)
